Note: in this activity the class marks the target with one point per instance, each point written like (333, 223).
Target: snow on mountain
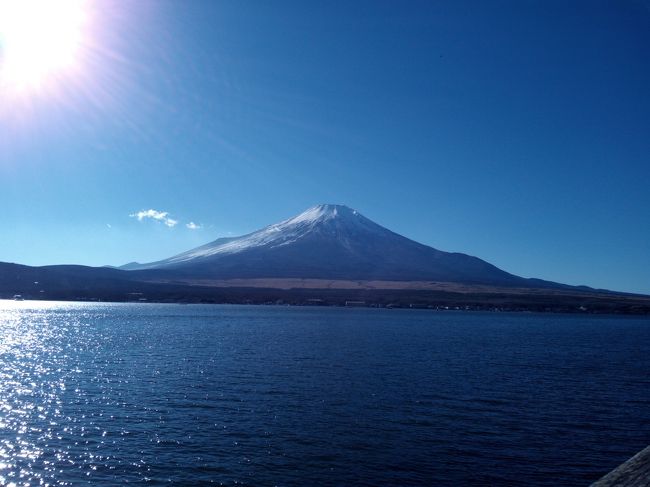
(276, 235)
(283, 233)
(329, 242)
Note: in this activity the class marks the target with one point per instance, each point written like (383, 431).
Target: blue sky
(515, 131)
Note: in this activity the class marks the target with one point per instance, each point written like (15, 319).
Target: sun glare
(40, 42)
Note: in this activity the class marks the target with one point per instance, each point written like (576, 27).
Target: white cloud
(161, 216)
(193, 226)
(155, 214)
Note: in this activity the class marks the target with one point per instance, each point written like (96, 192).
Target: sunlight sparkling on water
(40, 375)
(101, 393)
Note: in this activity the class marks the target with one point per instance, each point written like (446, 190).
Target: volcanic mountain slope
(329, 255)
(331, 242)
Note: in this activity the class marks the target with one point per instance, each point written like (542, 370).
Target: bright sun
(40, 41)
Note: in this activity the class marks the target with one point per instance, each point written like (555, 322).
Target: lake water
(147, 393)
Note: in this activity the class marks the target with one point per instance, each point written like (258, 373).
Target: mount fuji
(327, 255)
(331, 242)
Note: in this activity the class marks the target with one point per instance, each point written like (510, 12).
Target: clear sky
(516, 131)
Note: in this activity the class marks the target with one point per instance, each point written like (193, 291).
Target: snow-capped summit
(335, 220)
(329, 242)
(320, 213)
(314, 218)
(318, 218)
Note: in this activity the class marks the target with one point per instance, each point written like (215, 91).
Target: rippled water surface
(145, 393)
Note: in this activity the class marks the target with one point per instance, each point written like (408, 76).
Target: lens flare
(41, 43)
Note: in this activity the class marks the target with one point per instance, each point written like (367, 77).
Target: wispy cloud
(161, 216)
(193, 226)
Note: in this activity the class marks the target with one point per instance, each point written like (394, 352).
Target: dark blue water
(110, 393)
